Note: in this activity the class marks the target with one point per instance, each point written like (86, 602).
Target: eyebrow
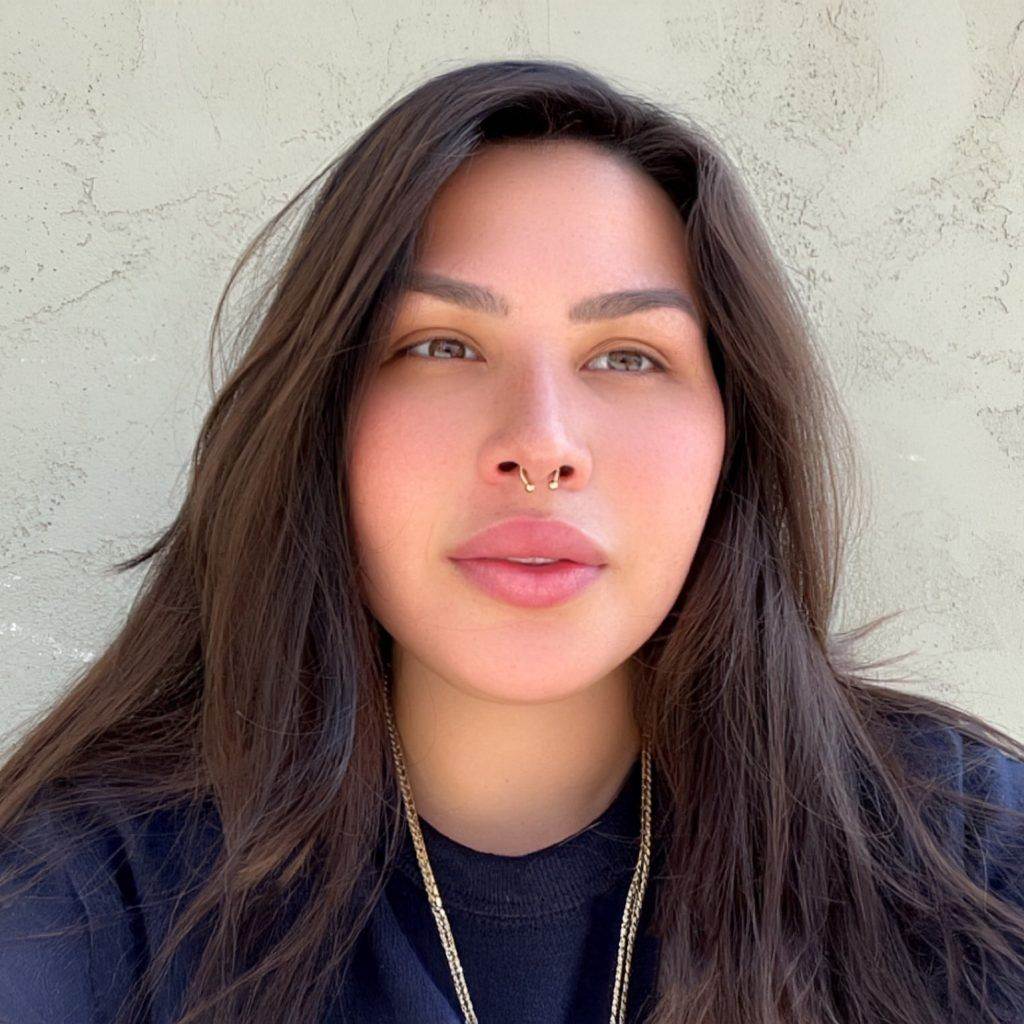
(606, 306)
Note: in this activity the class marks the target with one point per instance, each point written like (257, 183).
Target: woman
(347, 760)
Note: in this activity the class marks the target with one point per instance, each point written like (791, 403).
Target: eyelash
(659, 366)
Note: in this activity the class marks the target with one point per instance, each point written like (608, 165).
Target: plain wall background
(145, 143)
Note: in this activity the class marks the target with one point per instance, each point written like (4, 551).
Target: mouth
(532, 538)
(526, 584)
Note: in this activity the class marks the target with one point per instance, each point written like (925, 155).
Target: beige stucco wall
(144, 143)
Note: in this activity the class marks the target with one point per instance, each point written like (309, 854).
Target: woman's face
(521, 383)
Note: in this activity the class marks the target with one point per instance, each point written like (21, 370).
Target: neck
(510, 778)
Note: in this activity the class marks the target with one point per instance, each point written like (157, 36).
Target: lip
(528, 586)
(530, 536)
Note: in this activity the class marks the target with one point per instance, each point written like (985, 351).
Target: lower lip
(529, 586)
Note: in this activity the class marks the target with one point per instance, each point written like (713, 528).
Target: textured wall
(144, 143)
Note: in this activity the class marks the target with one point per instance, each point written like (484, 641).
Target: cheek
(404, 455)
(667, 479)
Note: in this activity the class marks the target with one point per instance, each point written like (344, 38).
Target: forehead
(562, 209)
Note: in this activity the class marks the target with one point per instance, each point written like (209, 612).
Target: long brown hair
(802, 869)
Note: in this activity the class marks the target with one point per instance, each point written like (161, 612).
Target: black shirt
(537, 935)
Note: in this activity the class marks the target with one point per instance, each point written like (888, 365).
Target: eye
(659, 367)
(430, 341)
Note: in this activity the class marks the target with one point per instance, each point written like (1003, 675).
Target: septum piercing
(552, 484)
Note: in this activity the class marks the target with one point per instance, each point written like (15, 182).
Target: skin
(516, 723)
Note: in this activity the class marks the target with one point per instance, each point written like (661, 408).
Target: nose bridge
(539, 391)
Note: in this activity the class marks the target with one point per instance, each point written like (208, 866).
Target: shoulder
(956, 758)
(994, 822)
(980, 796)
(110, 845)
(84, 894)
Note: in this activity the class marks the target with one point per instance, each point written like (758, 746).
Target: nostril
(508, 467)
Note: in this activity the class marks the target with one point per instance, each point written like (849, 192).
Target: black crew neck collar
(557, 878)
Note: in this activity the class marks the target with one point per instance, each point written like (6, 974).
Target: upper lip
(526, 536)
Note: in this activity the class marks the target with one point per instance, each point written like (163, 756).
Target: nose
(540, 446)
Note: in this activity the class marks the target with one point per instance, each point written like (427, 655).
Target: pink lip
(528, 586)
(532, 536)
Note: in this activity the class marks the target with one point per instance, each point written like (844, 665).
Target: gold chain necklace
(630, 916)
